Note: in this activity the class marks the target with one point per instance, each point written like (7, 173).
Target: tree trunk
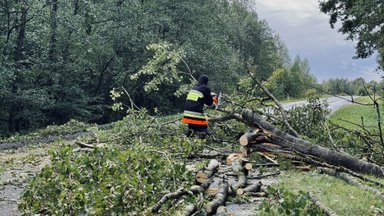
(13, 121)
(281, 138)
(219, 199)
(351, 180)
(203, 175)
(254, 137)
(241, 172)
(251, 188)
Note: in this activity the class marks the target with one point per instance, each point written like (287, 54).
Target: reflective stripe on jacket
(196, 98)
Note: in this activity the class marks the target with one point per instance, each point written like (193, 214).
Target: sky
(307, 33)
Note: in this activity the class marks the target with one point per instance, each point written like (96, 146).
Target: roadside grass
(334, 193)
(352, 115)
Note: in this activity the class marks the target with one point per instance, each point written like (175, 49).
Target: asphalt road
(334, 103)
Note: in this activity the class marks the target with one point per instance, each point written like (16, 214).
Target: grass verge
(358, 114)
(334, 193)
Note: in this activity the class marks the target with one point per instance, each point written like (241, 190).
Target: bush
(310, 120)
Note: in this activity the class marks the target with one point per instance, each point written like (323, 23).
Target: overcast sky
(307, 33)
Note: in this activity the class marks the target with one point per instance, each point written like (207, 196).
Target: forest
(60, 60)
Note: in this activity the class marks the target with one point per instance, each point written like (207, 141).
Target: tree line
(358, 87)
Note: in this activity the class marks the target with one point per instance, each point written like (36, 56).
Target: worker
(194, 115)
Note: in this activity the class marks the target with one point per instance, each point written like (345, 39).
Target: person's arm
(208, 100)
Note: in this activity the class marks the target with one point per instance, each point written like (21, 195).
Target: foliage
(310, 120)
(138, 127)
(162, 68)
(104, 181)
(284, 202)
(60, 59)
(298, 79)
(142, 158)
(362, 21)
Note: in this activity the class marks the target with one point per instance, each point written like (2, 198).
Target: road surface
(334, 103)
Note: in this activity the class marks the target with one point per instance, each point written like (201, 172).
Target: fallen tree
(284, 139)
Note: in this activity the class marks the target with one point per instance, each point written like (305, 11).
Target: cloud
(294, 12)
(306, 32)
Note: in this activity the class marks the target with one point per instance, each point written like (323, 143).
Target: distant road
(334, 103)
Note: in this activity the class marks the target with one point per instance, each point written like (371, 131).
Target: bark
(326, 211)
(221, 211)
(189, 210)
(253, 188)
(176, 195)
(211, 192)
(167, 197)
(233, 157)
(203, 175)
(350, 180)
(254, 137)
(15, 108)
(241, 174)
(312, 161)
(219, 199)
(281, 138)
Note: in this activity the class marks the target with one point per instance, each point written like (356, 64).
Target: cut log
(211, 192)
(203, 175)
(310, 160)
(257, 194)
(304, 168)
(281, 138)
(175, 195)
(268, 157)
(167, 197)
(249, 137)
(240, 156)
(325, 210)
(266, 175)
(189, 210)
(245, 151)
(241, 173)
(219, 199)
(254, 137)
(233, 157)
(251, 188)
(221, 211)
(248, 166)
(192, 208)
(84, 145)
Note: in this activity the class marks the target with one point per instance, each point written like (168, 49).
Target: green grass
(334, 193)
(357, 114)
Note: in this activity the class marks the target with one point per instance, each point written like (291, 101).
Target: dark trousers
(201, 130)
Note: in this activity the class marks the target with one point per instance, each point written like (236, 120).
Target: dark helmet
(203, 79)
